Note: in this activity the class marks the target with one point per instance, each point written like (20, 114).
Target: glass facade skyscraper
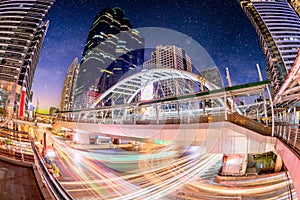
(69, 86)
(112, 50)
(277, 26)
(212, 74)
(22, 31)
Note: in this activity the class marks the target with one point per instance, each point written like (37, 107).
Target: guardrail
(17, 155)
(249, 124)
(12, 140)
(288, 133)
(52, 184)
(234, 118)
(15, 145)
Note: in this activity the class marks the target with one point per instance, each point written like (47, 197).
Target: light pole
(16, 116)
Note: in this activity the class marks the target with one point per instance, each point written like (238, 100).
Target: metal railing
(52, 184)
(220, 116)
(15, 145)
(249, 124)
(14, 151)
(16, 155)
(288, 133)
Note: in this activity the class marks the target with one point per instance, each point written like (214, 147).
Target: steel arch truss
(202, 104)
(127, 89)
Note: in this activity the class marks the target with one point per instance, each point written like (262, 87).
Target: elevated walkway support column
(94, 116)
(278, 164)
(136, 112)
(156, 113)
(272, 111)
(225, 106)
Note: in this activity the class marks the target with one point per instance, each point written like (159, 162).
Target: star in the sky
(229, 39)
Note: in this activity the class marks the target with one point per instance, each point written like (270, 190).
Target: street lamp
(16, 115)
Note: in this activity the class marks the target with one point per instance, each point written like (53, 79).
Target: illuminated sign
(22, 103)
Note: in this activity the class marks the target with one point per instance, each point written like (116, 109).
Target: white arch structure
(129, 87)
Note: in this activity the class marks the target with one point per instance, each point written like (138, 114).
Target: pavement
(17, 182)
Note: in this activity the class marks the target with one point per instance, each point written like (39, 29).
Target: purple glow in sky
(221, 27)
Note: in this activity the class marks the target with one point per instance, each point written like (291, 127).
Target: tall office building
(212, 74)
(296, 5)
(112, 50)
(69, 86)
(22, 31)
(170, 57)
(277, 26)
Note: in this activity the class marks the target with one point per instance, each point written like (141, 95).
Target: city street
(150, 100)
(154, 172)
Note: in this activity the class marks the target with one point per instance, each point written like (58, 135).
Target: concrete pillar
(225, 106)
(295, 140)
(156, 113)
(272, 110)
(295, 115)
(278, 164)
(94, 116)
(135, 113)
(84, 138)
(178, 105)
(124, 117)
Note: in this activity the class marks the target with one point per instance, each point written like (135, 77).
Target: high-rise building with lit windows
(277, 26)
(296, 5)
(22, 31)
(170, 57)
(69, 86)
(213, 75)
(112, 50)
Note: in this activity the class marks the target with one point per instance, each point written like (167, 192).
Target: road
(155, 172)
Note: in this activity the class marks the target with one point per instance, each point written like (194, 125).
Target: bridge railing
(15, 145)
(52, 184)
(289, 133)
(189, 118)
(249, 124)
(18, 145)
(235, 118)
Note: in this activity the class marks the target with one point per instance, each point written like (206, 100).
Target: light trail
(157, 173)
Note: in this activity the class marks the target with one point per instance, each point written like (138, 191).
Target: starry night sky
(220, 27)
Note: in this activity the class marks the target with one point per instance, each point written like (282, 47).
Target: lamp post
(45, 144)
(16, 116)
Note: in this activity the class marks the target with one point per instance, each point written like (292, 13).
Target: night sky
(220, 27)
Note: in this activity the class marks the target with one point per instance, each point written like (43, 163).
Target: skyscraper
(112, 50)
(277, 26)
(22, 32)
(170, 57)
(296, 5)
(212, 74)
(69, 86)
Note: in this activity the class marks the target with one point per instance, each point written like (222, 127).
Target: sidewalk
(17, 182)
